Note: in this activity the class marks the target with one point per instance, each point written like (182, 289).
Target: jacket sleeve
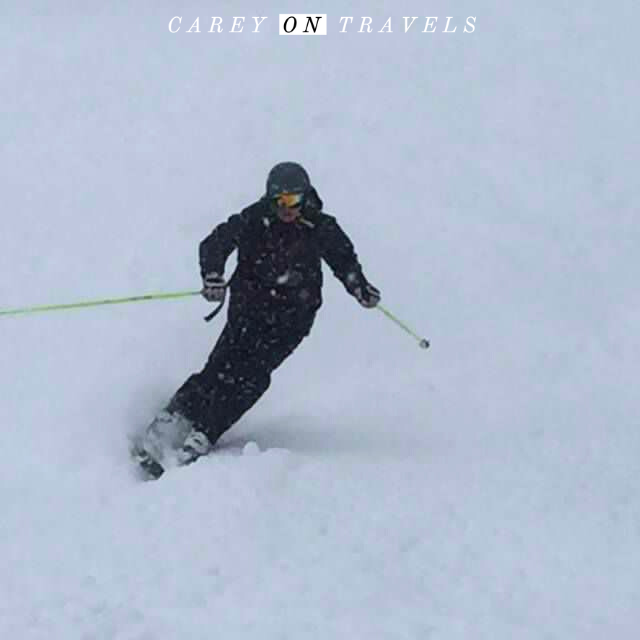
(218, 245)
(337, 250)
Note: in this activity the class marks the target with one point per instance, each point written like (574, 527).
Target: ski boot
(163, 437)
(195, 446)
(151, 467)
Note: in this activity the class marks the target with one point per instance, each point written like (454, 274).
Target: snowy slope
(486, 488)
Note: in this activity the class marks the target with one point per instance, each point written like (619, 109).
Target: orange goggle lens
(289, 200)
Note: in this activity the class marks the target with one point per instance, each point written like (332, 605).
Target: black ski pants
(252, 344)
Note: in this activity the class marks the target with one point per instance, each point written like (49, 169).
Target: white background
(487, 488)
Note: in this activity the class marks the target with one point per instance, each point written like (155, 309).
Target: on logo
(303, 24)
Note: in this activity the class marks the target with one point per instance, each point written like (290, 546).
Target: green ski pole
(422, 342)
(96, 303)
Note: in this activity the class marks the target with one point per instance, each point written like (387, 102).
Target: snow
(484, 488)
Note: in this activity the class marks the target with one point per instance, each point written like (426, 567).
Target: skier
(275, 293)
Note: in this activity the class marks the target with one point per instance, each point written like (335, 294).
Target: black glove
(367, 295)
(214, 288)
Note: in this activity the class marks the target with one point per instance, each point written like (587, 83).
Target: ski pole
(422, 342)
(96, 303)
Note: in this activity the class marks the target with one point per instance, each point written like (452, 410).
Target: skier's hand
(213, 288)
(367, 295)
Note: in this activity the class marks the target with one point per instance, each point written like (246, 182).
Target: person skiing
(275, 293)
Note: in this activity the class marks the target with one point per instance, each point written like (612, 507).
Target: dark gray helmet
(287, 177)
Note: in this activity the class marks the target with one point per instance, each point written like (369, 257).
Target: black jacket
(279, 264)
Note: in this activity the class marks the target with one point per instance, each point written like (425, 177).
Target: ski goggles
(289, 200)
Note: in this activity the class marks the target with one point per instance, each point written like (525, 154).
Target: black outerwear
(275, 292)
